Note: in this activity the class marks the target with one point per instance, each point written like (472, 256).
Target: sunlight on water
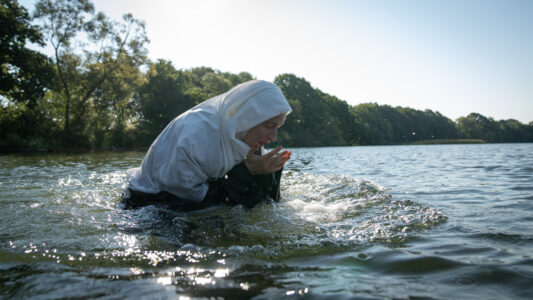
(317, 214)
(331, 234)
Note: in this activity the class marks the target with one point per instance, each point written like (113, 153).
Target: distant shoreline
(72, 150)
(448, 141)
(80, 150)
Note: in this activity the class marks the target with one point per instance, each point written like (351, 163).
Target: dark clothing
(238, 186)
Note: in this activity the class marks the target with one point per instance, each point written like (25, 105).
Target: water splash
(317, 214)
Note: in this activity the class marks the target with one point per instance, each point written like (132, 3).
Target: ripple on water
(317, 214)
(93, 243)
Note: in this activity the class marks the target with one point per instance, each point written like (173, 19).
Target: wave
(317, 214)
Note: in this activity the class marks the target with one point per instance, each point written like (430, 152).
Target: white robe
(201, 143)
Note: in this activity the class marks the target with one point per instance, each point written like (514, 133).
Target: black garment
(238, 186)
(243, 188)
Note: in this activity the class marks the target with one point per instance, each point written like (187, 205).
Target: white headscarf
(201, 143)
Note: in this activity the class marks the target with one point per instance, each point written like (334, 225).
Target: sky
(454, 57)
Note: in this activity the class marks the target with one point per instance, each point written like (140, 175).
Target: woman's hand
(268, 163)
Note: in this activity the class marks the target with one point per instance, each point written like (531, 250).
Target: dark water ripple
(402, 222)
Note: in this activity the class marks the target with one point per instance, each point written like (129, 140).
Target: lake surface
(392, 222)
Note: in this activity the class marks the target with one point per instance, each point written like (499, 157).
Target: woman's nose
(272, 135)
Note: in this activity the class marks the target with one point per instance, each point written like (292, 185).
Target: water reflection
(369, 222)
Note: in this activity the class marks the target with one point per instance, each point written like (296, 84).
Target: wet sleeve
(243, 188)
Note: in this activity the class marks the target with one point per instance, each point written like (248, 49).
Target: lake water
(392, 222)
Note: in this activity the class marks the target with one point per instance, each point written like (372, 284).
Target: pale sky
(450, 56)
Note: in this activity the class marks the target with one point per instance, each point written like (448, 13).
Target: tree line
(99, 90)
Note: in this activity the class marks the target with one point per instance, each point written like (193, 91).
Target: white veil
(201, 143)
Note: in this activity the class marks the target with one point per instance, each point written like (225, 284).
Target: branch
(106, 74)
(60, 73)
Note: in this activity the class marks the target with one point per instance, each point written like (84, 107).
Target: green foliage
(161, 98)
(313, 121)
(204, 82)
(24, 129)
(168, 92)
(85, 72)
(113, 107)
(376, 129)
(319, 119)
(25, 73)
(504, 131)
(512, 131)
(94, 94)
(384, 124)
(477, 126)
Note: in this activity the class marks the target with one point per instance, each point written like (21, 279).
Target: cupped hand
(268, 163)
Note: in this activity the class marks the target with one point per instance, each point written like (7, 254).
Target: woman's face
(263, 133)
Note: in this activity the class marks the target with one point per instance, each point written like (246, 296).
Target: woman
(214, 152)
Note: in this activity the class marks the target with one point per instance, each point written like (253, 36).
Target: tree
(25, 76)
(84, 69)
(205, 82)
(215, 84)
(477, 126)
(236, 79)
(313, 122)
(162, 98)
(511, 130)
(112, 120)
(376, 129)
(25, 73)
